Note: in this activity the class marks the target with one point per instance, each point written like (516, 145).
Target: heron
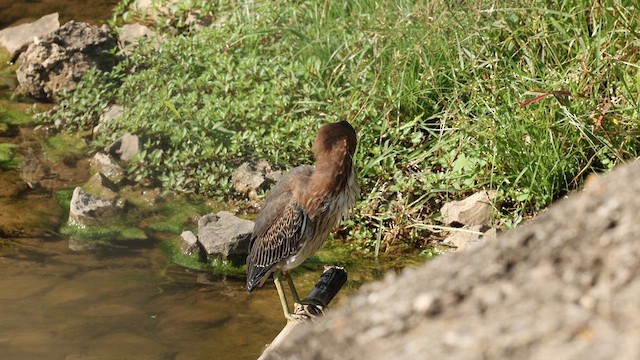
(301, 209)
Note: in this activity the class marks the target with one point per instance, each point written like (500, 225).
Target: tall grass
(523, 97)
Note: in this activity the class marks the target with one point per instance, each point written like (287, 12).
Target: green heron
(301, 209)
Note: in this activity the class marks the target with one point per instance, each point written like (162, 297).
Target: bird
(301, 209)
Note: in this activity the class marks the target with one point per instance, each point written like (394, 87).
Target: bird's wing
(278, 242)
(278, 228)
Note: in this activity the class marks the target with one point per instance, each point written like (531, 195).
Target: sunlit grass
(526, 98)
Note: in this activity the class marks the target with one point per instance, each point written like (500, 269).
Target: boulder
(87, 209)
(57, 61)
(16, 39)
(477, 209)
(225, 236)
(563, 286)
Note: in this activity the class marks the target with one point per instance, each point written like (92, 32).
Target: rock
(113, 112)
(88, 209)
(108, 167)
(253, 175)
(467, 236)
(125, 148)
(225, 236)
(16, 39)
(101, 186)
(131, 34)
(57, 61)
(477, 209)
(188, 243)
(563, 286)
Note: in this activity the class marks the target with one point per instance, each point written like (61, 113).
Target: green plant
(522, 97)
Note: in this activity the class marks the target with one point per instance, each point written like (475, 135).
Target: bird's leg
(292, 287)
(283, 298)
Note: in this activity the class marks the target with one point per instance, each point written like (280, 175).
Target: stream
(118, 302)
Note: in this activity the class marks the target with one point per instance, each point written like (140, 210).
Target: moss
(64, 147)
(63, 197)
(8, 159)
(175, 255)
(227, 268)
(176, 216)
(103, 234)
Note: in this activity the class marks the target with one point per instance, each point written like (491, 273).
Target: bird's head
(335, 141)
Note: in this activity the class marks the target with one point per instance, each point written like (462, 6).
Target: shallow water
(125, 303)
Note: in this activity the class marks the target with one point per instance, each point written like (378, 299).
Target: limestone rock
(16, 39)
(224, 235)
(477, 209)
(88, 209)
(57, 61)
(125, 148)
(563, 286)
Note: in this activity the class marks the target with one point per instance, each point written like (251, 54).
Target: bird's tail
(256, 275)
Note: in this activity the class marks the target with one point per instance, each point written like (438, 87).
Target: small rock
(89, 209)
(253, 175)
(468, 236)
(188, 243)
(225, 236)
(125, 148)
(103, 187)
(16, 39)
(477, 209)
(113, 112)
(108, 167)
(131, 34)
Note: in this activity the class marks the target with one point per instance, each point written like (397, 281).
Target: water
(124, 303)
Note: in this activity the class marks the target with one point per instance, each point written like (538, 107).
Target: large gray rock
(565, 286)
(57, 61)
(17, 38)
(225, 236)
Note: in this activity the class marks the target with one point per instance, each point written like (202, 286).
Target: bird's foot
(308, 309)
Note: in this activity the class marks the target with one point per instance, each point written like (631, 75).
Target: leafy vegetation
(523, 97)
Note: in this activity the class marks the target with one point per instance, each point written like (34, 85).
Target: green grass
(446, 100)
